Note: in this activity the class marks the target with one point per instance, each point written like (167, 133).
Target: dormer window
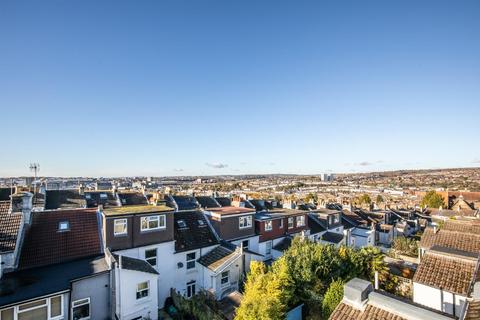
(88, 196)
(183, 224)
(63, 226)
(103, 196)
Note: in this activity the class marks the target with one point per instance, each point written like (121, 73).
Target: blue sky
(113, 88)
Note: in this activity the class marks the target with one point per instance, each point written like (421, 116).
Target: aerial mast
(35, 167)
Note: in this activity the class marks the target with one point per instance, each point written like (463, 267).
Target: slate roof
(5, 194)
(283, 245)
(354, 219)
(44, 244)
(217, 257)
(451, 239)
(315, 225)
(186, 202)
(224, 201)
(64, 199)
(33, 283)
(446, 272)
(332, 237)
(207, 202)
(194, 235)
(9, 226)
(95, 198)
(131, 198)
(134, 264)
(345, 312)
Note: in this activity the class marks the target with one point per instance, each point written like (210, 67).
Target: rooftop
(217, 257)
(33, 283)
(9, 226)
(138, 209)
(192, 231)
(230, 210)
(45, 243)
(446, 272)
(278, 213)
(450, 239)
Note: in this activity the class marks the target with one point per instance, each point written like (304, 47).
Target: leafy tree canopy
(432, 200)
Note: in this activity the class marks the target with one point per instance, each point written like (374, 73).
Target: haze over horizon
(184, 88)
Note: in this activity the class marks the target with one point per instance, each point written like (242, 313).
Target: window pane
(7, 314)
(55, 306)
(153, 223)
(35, 314)
(81, 312)
(162, 221)
(141, 286)
(144, 223)
(32, 304)
(152, 253)
(191, 256)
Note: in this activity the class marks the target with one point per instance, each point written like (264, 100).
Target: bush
(332, 298)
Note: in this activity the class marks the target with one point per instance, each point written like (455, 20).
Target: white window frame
(300, 221)
(63, 226)
(290, 222)
(268, 248)
(87, 302)
(245, 247)
(222, 277)
(147, 289)
(281, 224)
(151, 258)
(194, 260)
(268, 225)
(122, 222)
(148, 219)
(245, 222)
(17, 311)
(193, 289)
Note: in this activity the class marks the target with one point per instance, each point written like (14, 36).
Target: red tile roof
(444, 272)
(345, 312)
(44, 244)
(9, 226)
(468, 242)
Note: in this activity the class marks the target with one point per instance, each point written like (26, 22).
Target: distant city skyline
(210, 88)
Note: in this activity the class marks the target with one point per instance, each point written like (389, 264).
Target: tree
(405, 246)
(379, 199)
(365, 199)
(263, 298)
(311, 196)
(332, 298)
(304, 274)
(432, 200)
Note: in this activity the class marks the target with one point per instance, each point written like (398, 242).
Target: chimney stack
(27, 207)
(356, 293)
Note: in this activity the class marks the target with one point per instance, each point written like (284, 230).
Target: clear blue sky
(109, 88)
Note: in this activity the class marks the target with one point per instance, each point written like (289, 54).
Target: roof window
(63, 226)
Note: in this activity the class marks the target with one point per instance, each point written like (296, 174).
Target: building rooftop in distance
(138, 209)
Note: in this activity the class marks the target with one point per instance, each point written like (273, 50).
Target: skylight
(181, 223)
(63, 226)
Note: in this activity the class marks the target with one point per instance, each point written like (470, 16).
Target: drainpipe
(376, 280)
